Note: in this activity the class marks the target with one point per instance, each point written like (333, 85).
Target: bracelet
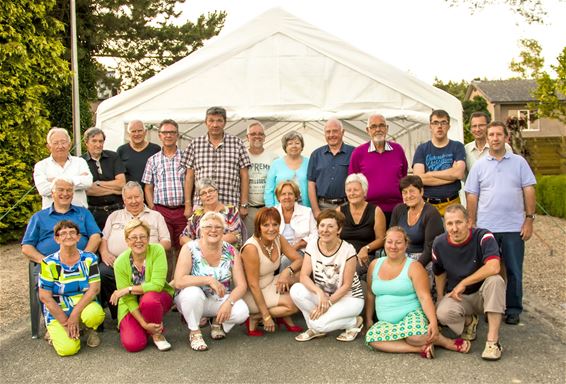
(330, 302)
(267, 318)
(291, 270)
(230, 301)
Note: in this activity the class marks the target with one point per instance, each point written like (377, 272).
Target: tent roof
(280, 69)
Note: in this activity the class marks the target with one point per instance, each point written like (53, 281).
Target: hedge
(551, 195)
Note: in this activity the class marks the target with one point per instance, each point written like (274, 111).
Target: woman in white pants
(211, 281)
(333, 299)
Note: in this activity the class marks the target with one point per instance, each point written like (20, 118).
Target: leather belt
(433, 200)
(106, 208)
(257, 206)
(332, 201)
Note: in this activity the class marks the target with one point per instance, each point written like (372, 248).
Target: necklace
(269, 250)
(332, 249)
(412, 221)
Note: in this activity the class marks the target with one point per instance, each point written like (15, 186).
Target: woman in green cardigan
(142, 294)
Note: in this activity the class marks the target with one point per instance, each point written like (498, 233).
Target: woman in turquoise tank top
(398, 291)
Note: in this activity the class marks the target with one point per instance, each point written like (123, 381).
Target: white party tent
(289, 75)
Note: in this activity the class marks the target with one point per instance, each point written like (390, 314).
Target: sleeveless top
(267, 268)
(361, 234)
(222, 272)
(395, 298)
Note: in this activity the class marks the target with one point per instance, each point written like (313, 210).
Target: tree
(141, 35)
(31, 65)
(532, 11)
(550, 92)
(455, 88)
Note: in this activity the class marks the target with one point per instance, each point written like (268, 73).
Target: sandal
(427, 351)
(350, 334)
(470, 330)
(216, 332)
(309, 334)
(197, 342)
(462, 346)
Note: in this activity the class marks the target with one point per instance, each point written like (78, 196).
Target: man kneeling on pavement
(466, 264)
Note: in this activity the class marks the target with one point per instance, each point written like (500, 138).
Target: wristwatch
(97, 183)
(368, 248)
(244, 205)
(531, 216)
(130, 289)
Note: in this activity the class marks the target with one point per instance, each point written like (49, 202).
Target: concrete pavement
(532, 354)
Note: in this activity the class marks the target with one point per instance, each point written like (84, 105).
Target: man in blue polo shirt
(39, 239)
(501, 197)
(328, 169)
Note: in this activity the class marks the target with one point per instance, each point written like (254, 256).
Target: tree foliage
(550, 91)
(532, 11)
(31, 65)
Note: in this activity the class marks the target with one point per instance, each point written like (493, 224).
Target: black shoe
(512, 319)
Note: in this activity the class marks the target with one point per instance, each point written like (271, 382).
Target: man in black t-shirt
(466, 264)
(134, 154)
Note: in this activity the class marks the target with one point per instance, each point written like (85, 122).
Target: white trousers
(341, 315)
(193, 304)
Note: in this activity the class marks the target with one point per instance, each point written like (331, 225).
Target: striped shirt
(67, 283)
(328, 271)
(221, 164)
(167, 176)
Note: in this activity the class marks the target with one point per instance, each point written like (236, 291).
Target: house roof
(505, 91)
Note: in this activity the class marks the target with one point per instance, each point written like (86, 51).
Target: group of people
(229, 234)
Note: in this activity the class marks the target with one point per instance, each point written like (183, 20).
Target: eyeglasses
(207, 192)
(260, 134)
(381, 126)
(442, 123)
(212, 227)
(138, 238)
(65, 234)
(168, 133)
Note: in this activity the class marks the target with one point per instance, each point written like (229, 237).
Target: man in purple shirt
(383, 163)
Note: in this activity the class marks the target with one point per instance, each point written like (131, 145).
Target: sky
(426, 38)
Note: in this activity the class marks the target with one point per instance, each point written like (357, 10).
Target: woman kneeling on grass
(398, 290)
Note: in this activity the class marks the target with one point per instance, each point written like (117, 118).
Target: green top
(155, 276)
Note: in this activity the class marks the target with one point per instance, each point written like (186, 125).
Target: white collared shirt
(75, 168)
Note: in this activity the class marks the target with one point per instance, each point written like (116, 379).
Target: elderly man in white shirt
(113, 240)
(61, 164)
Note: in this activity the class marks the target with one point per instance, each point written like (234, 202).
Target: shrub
(551, 195)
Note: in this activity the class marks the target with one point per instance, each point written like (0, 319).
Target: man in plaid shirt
(164, 179)
(221, 157)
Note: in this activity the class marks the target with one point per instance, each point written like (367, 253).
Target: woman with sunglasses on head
(68, 284)
(142, 295)
(208, 192)
(211, 282)
(268, 295)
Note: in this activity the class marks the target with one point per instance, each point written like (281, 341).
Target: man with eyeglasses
(39, 238)
(108, 176)
(260, 163)
(478, 148)
(221, 157)
(383, 163)
(164, 179)
(137, 151)
(113, 242)
(328, 169)
(61, 163)
(440, 163)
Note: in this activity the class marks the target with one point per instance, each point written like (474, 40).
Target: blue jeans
(512, 249)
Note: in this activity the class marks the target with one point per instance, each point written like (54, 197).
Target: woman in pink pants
(142, 294)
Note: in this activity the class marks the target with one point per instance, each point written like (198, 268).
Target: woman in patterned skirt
(398, 291)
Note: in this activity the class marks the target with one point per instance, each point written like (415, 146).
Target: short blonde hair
(290, 183)
(133, 224)
(213, 216)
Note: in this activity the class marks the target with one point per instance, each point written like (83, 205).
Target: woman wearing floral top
(233, 228)
(211, 281)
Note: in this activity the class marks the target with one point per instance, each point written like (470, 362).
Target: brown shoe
(93, 340)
